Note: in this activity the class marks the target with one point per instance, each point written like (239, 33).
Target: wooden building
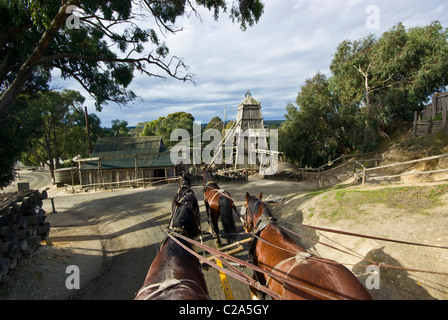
(434, 118)
(117, 160)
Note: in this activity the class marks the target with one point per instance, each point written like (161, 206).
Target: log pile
(285, 176)
(198, 179)
(22, 226)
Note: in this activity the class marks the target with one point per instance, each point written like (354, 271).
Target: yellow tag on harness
(224, 282)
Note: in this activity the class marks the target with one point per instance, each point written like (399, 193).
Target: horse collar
(263, 221)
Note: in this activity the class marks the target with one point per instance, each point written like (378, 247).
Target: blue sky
(293, 40)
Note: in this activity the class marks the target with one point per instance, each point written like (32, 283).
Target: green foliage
(120, 128)
(375, 84)
(164, 126)
(17, 127)
(393, 76)
(215, 123)
(60, 129)
(313, 134)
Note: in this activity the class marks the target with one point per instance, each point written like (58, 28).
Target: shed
(119, 159)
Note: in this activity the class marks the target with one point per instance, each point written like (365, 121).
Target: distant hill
(273, 123)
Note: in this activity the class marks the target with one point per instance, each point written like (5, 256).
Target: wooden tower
(249, 133)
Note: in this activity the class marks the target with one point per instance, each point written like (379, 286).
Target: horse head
(184, 220)
(209, 178)
(253, 211)
(185, 180)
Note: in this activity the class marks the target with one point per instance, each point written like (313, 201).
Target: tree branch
(25, 70)
(138, 63)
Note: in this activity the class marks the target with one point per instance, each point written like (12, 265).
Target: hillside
(404, 148)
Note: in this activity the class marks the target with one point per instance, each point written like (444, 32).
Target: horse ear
(260, 196)
(247, 196)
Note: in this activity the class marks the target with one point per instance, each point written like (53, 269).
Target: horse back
(173, 263)
(324, 278)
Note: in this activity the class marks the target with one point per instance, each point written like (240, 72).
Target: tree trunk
(25, 71)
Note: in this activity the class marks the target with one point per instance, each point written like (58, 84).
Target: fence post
(364, 176)
(414, 127)
(431, 114)
(444, 107)
(434, 107)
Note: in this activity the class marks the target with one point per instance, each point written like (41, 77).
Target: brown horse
(175, 274)
(218, 203)
(315, 278)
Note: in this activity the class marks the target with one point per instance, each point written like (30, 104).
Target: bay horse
(175, 274)
(316, 278)
(219, 204)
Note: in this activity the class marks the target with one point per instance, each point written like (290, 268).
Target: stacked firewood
(22, 226)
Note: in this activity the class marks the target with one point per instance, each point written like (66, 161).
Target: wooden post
(80, 174)
(434, 107)
(100, 171)
(136, 170)
(71, 172)
(364, 176)
(414, 127)
(444, 109)
(88, 131)
(52, 204)
(429, 112)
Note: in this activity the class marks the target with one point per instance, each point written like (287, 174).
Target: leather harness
(165, 285)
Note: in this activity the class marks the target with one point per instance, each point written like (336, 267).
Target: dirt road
(112, 237)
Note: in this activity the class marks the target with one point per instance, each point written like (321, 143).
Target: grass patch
(351, 204)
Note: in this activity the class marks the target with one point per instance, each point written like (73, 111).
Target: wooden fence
(366, 177)
(142, 182)
(362, 169)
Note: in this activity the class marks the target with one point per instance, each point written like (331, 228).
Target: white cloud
(292, 41)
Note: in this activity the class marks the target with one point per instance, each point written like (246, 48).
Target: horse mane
(212, 184)
(175, 250)
(255, 203)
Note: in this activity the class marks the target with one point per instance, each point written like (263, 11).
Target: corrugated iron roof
(120, 153)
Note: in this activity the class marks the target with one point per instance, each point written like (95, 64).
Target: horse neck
(273, 234)
(211, 185)
(173, 262)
